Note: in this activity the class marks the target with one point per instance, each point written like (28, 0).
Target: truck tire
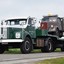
(48, 47)
(26, 46)
(2, 49)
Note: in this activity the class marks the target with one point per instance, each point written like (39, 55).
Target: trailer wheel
(48, 47)
(2, 49)
(26, 46)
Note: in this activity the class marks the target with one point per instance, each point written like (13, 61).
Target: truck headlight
(17, 35)
(52, 26)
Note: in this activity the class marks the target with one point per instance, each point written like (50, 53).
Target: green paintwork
(40, 32)
(24, 32)
(31, 31)
(12, 31)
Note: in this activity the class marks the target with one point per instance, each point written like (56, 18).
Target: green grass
(51, 61)
(58, 50)
(13, 51)
(17, 51)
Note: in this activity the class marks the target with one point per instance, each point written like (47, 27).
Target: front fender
(24, 34)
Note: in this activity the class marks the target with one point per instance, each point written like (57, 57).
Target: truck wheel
(26, 46)
(2, 49)
(48, 47)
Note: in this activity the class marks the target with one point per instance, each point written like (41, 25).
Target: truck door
(31, 28)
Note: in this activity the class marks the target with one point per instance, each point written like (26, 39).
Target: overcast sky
(36, 8)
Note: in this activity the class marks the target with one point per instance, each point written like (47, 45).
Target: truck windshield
(16, 22)
(45, 19)
(50, 19)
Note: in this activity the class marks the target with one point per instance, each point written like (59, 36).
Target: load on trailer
(25, 34)
(55, 24)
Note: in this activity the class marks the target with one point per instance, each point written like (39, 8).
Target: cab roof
(22, 18)
(51, 16)
(17, 19)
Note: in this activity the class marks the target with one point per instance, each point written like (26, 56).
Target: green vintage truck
(27, 34)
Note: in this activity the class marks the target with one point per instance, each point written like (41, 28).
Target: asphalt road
(27, 58)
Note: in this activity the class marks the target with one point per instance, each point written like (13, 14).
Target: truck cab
(18, 31)
(18, 28)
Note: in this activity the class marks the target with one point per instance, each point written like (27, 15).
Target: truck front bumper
(6, 41)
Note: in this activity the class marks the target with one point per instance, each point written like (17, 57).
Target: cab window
(16, 22)
(45, 19)
(22, 22)
(12, 22)
(30, 21)
(8, 23)
(52, 19)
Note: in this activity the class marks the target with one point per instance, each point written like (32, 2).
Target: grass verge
(52, 61)
(17, 51)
